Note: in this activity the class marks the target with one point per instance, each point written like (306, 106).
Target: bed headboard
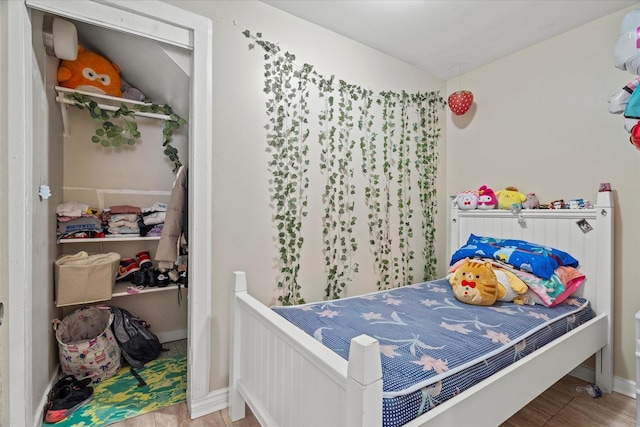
(587, 234)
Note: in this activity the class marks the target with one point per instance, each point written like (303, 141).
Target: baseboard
(169, 336)
(620, 385)
(214, 401)
(39, 416)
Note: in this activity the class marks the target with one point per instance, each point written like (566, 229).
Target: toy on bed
(90, 72)
(486, 198)
(467, 200)
(510, 196)
(626, 56)
(475, 283)
(510, 288)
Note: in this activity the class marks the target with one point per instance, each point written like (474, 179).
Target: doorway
(29, 251)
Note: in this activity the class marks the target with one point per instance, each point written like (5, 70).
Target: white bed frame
(288, 378)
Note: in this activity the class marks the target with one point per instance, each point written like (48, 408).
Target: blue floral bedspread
(432, 346)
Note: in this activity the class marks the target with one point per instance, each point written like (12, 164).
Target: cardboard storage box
(83, 278)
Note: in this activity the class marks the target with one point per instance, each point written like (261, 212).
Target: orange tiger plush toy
(475, 283)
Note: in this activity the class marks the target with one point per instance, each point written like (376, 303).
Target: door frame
(155, 20)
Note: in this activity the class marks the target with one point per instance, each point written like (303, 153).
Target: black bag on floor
(137, 343)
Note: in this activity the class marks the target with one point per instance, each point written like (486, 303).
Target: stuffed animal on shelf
(486, 198)
(467, 200)
(531, 202)
(475, 283)
(508, 197)
(90, 72)
(626, 56)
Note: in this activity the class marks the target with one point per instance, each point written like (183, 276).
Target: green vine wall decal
(286, 137)
(336, 163)
(407, 124)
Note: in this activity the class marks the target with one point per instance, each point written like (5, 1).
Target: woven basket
(87, 347)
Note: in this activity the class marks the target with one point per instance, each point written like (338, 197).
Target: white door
(153, 20)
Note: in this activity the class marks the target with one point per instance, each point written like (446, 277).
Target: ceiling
(448, 37)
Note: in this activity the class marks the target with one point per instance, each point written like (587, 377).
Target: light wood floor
(556, 407)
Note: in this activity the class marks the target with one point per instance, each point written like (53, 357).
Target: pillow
(539, 260)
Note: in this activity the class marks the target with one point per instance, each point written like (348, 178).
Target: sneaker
(162, 278)
(72, 381)
(127, 268)
(151, 277)
(139, 277)
(144, 259)
(65, 401)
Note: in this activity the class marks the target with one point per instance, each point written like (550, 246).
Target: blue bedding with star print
(432, 346)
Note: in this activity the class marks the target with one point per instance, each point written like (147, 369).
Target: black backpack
(138, 344)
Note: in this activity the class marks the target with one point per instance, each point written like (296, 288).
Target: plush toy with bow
(475, 283)
(90, 72)
(626, 56)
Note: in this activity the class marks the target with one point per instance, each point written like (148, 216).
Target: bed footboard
(288, 378)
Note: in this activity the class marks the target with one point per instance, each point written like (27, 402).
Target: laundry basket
(87, 347)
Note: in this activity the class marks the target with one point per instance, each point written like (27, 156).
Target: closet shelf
(120, 290)
(106, 102)
(110, 239)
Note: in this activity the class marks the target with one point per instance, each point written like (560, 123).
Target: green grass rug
(119, 397)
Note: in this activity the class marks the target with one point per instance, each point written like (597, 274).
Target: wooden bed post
(364, 383)
(236, 402)
(605, 280)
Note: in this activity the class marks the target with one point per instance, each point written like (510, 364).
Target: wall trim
(180, 334)
(214, 401)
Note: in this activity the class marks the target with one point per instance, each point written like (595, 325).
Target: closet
(166, 53)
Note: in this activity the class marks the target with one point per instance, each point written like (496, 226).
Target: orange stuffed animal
(90, 72)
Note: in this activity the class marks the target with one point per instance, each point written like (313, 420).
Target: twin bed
(333, 376)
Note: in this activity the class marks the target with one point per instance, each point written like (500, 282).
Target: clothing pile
(78, 219)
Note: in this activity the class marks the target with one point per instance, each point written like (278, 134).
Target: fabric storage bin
(83, 278)
(86, 345)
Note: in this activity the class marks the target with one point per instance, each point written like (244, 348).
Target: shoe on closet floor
(126, 270)
(65, 398)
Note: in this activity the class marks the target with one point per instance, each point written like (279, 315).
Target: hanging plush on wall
(90, 72)
(626, 56)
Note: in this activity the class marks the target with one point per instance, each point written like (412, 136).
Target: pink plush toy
(486, 198)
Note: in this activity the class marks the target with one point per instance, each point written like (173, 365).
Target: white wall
(242, 218)
(4, 289)
(540, 123)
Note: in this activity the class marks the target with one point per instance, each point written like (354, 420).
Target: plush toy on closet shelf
(90, 72)
(626, 56)
(510, 196)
